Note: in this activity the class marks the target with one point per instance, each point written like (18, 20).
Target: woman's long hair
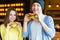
(6, 20)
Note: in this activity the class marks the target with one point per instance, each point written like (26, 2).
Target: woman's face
(12, 16)
(36, 8)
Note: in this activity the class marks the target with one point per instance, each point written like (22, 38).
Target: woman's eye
(12, 15)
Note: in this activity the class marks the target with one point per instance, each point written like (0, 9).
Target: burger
(13, 24)
(32, 16)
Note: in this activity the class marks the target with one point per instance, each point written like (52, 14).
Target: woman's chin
(12, 21)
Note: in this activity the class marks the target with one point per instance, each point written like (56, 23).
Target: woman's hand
(19, 25)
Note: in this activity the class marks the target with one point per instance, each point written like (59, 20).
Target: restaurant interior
(52, 8)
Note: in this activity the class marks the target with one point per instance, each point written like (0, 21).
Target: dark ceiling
(12, 1)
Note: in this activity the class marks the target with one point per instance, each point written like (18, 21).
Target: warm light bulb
(49, 6)
(17, 4)
(22, 9)
(57, 6)
(12, 4)
(8, 5)
(21, 4)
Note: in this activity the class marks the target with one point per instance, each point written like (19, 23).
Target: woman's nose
(12, 15)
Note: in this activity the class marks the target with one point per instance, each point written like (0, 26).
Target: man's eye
(14, 14)
(37, 5)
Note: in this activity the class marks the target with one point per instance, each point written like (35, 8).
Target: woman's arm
(20, 33)
(19, 26)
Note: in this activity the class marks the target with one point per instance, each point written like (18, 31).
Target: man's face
(36, 8)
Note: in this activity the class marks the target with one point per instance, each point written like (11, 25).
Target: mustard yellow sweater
(11, 34)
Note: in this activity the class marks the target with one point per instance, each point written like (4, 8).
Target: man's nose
(35, 7)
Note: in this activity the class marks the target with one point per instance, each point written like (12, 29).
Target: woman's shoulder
(2, 26)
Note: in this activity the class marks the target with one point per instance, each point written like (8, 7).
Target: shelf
(56, 18)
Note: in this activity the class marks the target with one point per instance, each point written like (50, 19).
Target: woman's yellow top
(11, 34)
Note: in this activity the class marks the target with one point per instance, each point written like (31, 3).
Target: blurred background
(52, 8)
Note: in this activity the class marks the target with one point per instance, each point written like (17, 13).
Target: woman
(41, 28)
(11, 29)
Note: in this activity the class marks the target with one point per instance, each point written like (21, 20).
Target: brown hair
(6, 20)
